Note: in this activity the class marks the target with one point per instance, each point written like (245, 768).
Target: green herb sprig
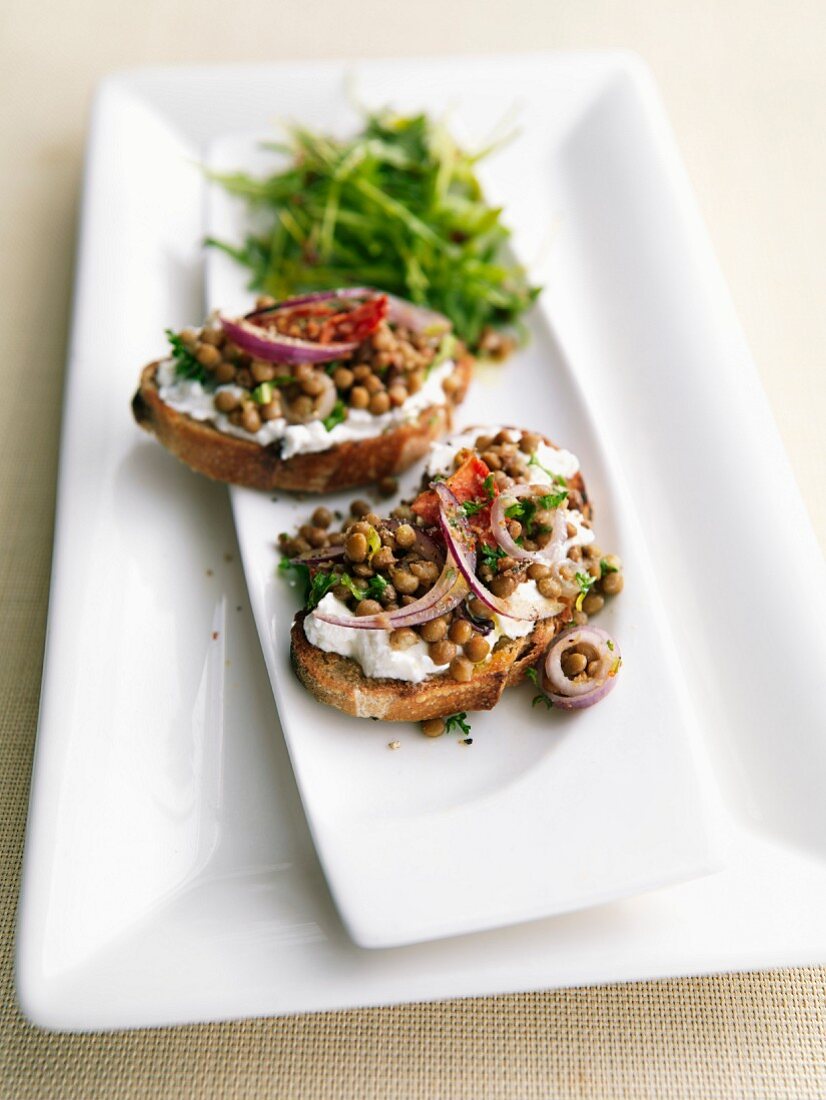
(490, 555)
(558, 479)
(186, 365)
(533, 676)
(457, 722)
(337, 416)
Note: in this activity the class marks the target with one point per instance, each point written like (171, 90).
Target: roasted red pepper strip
(467, 483)
(355, 324)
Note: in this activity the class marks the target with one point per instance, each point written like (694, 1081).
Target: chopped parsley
(606, 567)
(557, 478)
(610, 645)
(533, 676)
(317, 585)
(490, 555)
(472, 507)
(337, 416)
(552, 500)
(314, 586)
(457, 722)
(525, 510)
(375, 587)
(585, 582)
(186, 365)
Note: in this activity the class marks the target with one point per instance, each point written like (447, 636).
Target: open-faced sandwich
(317, 393)
(454, 597)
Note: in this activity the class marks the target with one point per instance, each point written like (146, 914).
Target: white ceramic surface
(548, 812)
(169, 873)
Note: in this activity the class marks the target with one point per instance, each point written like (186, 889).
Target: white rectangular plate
(169, 873)
(549, 812)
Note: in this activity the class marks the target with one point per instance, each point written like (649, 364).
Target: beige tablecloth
(745, 84)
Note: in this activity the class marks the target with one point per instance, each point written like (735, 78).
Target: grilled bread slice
(340, 682)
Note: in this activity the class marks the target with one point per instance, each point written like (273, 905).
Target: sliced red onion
(400, 311)
(314, 296)
(272, 346)
(326, 403)
(449, 590)
(416, 318)
(461, 543)
(569, 694)
(480, 625)
(553, 551)
(426, 546)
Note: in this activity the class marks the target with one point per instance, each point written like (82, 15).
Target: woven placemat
(760, 69)
(752, 1035)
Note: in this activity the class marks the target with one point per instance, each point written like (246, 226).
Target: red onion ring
(461, 545)
(416, 318)
(480, 625)
(275, 348)
(426, 546)
(553, 551)
(449, 590)
(313, 296)
(400, 311)
(570, 694)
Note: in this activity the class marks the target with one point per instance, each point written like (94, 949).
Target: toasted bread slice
(227, 458)
(340, 682)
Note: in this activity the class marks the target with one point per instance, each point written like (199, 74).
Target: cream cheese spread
(555, 460)
(188, 396)
(371, 649)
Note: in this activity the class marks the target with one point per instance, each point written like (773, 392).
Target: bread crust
(226, 458)
(340, 682)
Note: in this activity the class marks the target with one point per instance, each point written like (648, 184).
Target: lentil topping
(390, 373)
(373, 566)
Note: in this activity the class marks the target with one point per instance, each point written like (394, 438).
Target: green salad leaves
(399, 207)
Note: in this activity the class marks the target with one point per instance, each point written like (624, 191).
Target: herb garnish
(525, 510)
(533, 676)
(490, 555)
(471, 507)
(337, 416)
(375, 587)
(606, 567)
(314, 586)
(186, 365)
(398, 206)
(489, 485)
(557, 478)
(585, 582)
(457, 722)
